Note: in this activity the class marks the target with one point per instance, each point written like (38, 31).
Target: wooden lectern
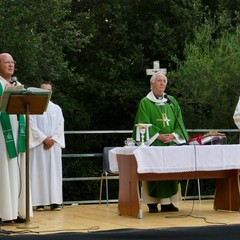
(26, 102)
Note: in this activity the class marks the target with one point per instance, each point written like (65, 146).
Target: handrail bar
(83, 155)
(130, 131)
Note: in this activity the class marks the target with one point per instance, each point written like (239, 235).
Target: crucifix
(156, 68)
(164, 119)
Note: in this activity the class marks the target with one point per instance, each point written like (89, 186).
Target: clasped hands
(166, 138)
(48, 143)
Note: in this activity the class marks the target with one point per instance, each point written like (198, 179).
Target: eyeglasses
(10, 62)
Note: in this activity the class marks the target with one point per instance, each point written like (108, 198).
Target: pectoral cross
(156, 68)
(164, 119)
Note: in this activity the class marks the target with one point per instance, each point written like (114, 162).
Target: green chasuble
(163, 121)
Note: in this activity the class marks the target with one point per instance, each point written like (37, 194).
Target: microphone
(13, 80)
(171, 103)
(168, 99)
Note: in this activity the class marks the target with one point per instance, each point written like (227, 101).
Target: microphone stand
(169, 101)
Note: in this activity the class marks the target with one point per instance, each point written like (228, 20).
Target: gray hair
(152, 79)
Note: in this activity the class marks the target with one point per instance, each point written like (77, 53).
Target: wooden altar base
(227, 192)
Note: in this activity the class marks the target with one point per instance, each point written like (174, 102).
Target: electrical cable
(193, 203)
(9, 232)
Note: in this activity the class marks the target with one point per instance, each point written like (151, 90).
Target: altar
(136, 164)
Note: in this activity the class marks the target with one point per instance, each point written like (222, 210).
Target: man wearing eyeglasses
(12, 153)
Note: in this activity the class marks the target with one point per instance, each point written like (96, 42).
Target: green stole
(8, 134)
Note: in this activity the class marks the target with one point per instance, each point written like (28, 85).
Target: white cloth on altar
(12, 177)
(113, 165)
(46, 165)
(183, 158)
(165, 159)
(218, 157)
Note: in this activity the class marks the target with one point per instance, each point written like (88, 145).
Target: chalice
(142, 131)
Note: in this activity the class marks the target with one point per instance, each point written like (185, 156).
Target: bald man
(12, 153)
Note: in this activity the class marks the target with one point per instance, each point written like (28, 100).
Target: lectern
(34, 101)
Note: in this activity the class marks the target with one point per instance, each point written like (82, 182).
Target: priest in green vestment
(161, 110)
(12, 153)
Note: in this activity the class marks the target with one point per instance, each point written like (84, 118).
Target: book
(213, 137)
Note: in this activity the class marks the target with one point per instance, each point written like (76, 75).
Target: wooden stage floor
(85, 218)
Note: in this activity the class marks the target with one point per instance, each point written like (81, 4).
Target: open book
(213, 137)
(16, 96)
(20, 89)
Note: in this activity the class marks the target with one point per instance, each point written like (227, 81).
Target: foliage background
(96, 53)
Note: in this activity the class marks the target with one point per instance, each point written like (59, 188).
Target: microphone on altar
(171, 103)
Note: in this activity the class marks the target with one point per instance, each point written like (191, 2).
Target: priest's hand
(10, 85)
(166, 138)
(48, 143)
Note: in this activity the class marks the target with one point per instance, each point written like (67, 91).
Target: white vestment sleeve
(152, 139)
(37, 136)
(58, 134)
(51, 124)
(177, 139)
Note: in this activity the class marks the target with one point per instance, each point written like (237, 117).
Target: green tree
(37, 33)
(208, 78)
(126, 36)
(96, 52)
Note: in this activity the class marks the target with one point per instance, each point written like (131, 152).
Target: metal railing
(95, 155)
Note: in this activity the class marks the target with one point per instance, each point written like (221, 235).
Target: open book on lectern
(14, 97)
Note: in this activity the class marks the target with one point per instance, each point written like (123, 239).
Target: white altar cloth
(180, 158)
(113, 165)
